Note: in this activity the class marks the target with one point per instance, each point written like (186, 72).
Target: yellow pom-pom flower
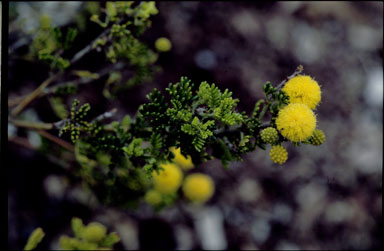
(198, 187)
(304, 90)
(163, 44)
(278, 154)
(153, 197)
(180, 160)
(167, 180)
(317, 138)
(296, 122)
(94, 232)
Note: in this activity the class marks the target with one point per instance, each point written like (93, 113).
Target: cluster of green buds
(91, 237)
(76, 122)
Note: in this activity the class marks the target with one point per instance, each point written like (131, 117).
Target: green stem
(31, 125)
(265, 108)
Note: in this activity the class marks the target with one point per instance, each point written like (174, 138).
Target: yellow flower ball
(296, 122)
(198, 187)
(163, 44)
(94, 232)
(153, 197)
(180, 160)
(167, 180)
(304, 90)
(278, 154)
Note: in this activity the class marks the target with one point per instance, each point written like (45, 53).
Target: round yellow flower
(180, 160)
(163, 44)
(278, 154)
(153, 197)
(94, 232)
(198, 187)
(296, 122)
(304, 90)
(167, 180)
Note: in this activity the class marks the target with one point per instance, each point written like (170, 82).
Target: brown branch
(298, 70)
(33, 95)
(22, 142)
(57, 140)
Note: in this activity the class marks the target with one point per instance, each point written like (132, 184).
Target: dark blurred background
(326, 197)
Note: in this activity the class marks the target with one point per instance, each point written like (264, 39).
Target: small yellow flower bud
(269, 135)
(198, 187)
(163, 44)
(317, 137)
(94, 232)
(278, 154)
(153, 197)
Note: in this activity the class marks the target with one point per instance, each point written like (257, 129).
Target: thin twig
(265, 108)
(15, 101)
(298, 70)
(31, 124)
(39, 127)
(87, 48)
(57, 140)
(39, 90)
(33, 95)
(105, 115)
(22, 142)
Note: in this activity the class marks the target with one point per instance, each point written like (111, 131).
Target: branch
(39, 90)
(31, 125)
(105, 115)
(118, 66)
(87, 48)
(33, 95)
(22, 142)
(298, 70)
(57, 140)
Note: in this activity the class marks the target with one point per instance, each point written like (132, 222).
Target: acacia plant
(146, 156)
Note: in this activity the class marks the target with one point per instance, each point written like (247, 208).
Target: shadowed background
(326, 197)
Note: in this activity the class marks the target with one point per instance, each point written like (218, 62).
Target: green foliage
(221, 105)
(134, 148)
(58, 107)
(50, 42)
(127, 21)
(91, 237)
(204, 123)
(75, 123)
(34, 239)
(156, 143)
(65, 89)
(199, 130)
